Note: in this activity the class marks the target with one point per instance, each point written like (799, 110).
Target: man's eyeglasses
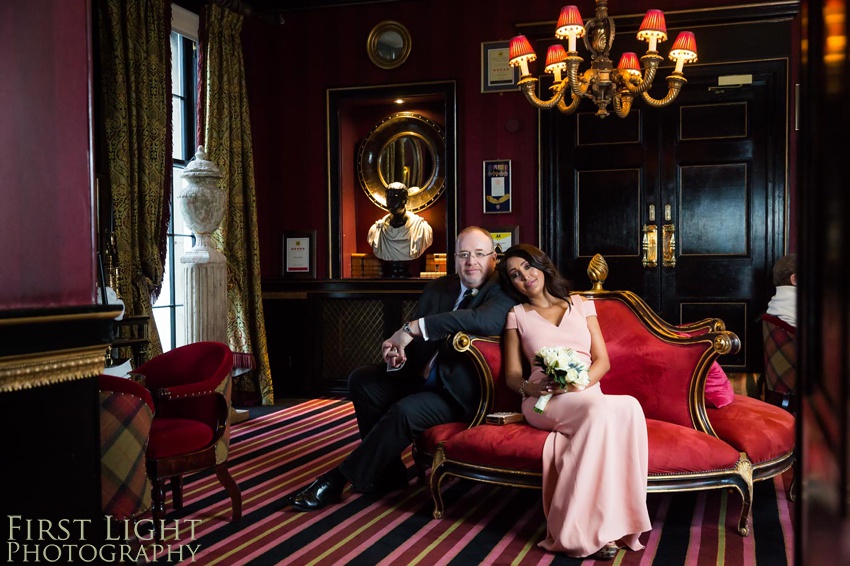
(463, 256)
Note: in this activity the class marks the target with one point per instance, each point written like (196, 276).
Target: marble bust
(400, 235)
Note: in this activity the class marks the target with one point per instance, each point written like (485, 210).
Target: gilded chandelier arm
(562, 106)
(529, 88)
(650, 61)
(622, 104)
(674, 85)
(577, 85)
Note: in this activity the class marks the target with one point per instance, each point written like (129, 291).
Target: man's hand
(392, 350)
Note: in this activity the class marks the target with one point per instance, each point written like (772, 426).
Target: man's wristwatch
(406, 328)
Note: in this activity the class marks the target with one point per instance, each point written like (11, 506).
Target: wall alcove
(352, 115)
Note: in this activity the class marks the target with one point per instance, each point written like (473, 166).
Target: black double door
(686, 203)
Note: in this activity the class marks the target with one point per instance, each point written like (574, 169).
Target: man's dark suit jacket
(485, 316)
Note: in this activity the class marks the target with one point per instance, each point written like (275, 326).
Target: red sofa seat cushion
(762, 430)
(429, 440)
(174, 436)
(516, 446)
(672, 449)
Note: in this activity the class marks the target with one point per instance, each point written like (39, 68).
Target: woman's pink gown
(595, 458)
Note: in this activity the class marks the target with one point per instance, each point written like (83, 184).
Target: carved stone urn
(202, 203)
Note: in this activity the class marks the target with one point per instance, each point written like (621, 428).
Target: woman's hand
(555, 389)
(539, 388)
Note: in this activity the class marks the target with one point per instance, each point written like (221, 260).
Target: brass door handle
(668, 241)
(650, 245)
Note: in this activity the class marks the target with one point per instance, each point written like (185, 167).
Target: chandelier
(602, 83)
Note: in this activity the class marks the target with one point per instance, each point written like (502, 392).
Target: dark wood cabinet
(319, 331)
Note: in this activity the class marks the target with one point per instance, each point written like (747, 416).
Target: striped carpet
(276, 454)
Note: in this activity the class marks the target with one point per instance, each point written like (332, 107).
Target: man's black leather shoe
(319, 494)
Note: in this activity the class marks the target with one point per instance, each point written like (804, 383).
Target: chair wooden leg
(177, 492)
(223, 475)
(157, 505)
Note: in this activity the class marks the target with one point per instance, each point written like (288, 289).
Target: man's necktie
(431, 366)
(466, 299)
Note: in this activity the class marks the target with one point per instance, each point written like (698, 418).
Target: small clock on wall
(388, 44)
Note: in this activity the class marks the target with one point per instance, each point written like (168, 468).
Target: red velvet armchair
(191, 387)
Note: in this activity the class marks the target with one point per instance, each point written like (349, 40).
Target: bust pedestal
(395, 269)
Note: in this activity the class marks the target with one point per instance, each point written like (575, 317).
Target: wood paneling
(46, 222)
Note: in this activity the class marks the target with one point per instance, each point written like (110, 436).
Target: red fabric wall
(46, 236)
(290, 67)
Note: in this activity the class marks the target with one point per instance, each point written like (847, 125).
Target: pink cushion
(718, 388)
(672, 449)
(750, 425)
(172, 437)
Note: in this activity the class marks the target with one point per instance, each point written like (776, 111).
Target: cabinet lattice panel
(408, 309)
(353, 332)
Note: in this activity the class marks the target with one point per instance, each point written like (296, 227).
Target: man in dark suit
(422, 383)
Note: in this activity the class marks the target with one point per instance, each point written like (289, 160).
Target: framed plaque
(299, 254)
(496, 74)
(497, 186)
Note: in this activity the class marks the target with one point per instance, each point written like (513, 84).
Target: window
(169, 311)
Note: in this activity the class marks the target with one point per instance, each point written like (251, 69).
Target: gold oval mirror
(388, 44)
(406, 148)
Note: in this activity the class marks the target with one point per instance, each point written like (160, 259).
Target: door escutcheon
(650, 245)
(668, 236)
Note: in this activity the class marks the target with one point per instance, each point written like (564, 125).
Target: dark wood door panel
(608, 215)
(713, 210)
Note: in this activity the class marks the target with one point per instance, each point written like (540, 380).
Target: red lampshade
(629, 62)
(521, 49)
(684, 48)
(569, 22)
(653, 26)
(556, 55)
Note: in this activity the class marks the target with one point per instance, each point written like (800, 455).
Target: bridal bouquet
(563, 366)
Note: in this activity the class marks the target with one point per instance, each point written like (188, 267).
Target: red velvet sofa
(691, 447)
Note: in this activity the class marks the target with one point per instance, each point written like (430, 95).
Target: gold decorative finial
(597, 271)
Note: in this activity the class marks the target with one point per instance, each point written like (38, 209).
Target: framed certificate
(299, 254)
(496, 74)
(497, 186)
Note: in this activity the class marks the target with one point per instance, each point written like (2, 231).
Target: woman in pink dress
(595, 458)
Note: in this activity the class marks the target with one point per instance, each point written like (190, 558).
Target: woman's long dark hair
(556, 284)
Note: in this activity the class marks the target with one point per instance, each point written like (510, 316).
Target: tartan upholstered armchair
(780, 361)
(126, 413)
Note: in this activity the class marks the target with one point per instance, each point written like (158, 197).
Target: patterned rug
(278, 453)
